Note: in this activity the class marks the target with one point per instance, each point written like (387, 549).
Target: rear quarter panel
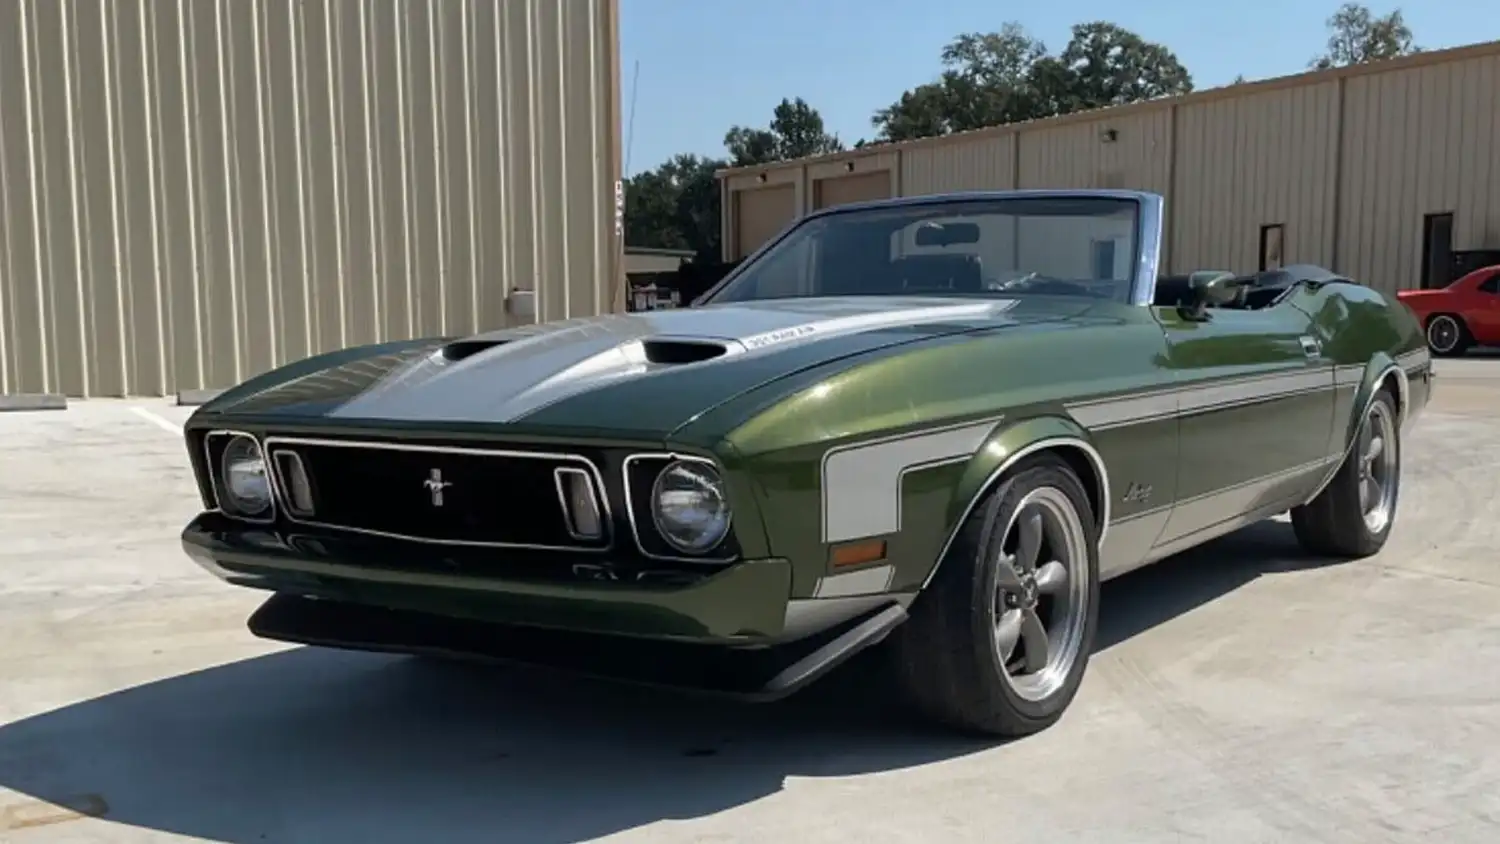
(1425, 303)
(1368, 337)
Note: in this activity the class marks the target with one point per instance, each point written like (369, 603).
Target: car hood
(650, 371)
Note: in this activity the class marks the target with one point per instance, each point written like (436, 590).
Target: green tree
(921, 112)
(676, 206)
(1356, 35)
(986, 79)
(751, 146)
(989, 79)
(796, 131)
(1108, 65)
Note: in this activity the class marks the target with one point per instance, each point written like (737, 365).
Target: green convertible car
(935, 423)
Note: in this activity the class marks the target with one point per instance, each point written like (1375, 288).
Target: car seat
(949, 272)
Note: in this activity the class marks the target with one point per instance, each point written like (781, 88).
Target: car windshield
(1081, 246)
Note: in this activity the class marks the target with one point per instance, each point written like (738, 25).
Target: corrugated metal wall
(1074, 155)
(194, 191)
(1346, 162)
(987, 163)
(1423, 141)
(1262, 159)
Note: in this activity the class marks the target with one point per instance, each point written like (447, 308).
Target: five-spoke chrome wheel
(999, 640)
(1041, 593)
(1378, 467)
(1352, 516)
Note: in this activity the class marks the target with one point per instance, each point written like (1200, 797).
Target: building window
(1437, 250)
(1104, 259)
(1270, 247)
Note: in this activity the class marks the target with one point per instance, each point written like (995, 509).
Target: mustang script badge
(435, 486)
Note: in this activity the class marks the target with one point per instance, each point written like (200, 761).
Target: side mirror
(1210, 288)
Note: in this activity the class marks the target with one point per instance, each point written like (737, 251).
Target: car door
(1255, 403)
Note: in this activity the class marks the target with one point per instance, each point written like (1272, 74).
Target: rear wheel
(1448, 334)
(999, 641)
(1352, 516)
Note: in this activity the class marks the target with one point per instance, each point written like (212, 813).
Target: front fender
(1008, 446)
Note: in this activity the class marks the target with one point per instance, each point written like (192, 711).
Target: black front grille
(445, 495)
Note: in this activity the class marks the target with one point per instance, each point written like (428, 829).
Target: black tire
(1443, 327)
(945, 656)
(1333, 524)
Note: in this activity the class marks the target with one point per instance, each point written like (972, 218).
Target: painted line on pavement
(159, 421)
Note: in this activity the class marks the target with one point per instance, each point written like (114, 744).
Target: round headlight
(245, 483)
(690, 507)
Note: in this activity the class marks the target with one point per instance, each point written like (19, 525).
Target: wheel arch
(1012, 444)
(1454, 313)
(1382, 374)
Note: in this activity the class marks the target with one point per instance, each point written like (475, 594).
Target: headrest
(952, 271)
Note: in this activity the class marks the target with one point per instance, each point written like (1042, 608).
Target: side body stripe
(1117, 411)
(862, 482)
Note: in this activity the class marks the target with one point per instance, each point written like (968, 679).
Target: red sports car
(1463, 314)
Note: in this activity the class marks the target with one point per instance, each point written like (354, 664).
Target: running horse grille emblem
(435, 486)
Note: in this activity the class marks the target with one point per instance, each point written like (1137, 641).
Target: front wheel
(1353, 515)
(1000, 640)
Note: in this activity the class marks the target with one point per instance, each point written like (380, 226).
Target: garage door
(861, 187)
(760, 214)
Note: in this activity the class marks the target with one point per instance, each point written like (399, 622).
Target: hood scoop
(464, 349)
(677, 352)
(661, 351)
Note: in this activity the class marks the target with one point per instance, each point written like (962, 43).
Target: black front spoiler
(760, 673)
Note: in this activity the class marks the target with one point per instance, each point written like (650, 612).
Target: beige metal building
(194, 191)
(1366, 170)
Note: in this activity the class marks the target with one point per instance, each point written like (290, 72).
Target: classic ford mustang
(936, 423)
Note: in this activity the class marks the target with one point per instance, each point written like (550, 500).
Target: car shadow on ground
(328, 746)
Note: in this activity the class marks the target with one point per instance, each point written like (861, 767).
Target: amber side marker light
(857, 553)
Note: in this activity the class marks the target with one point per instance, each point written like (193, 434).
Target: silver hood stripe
(534, 366)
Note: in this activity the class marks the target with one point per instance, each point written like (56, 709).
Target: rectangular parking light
(580, 503)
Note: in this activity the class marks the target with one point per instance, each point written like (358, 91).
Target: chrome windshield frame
(1151, 225)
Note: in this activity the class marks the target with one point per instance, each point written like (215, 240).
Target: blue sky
(708, 64)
